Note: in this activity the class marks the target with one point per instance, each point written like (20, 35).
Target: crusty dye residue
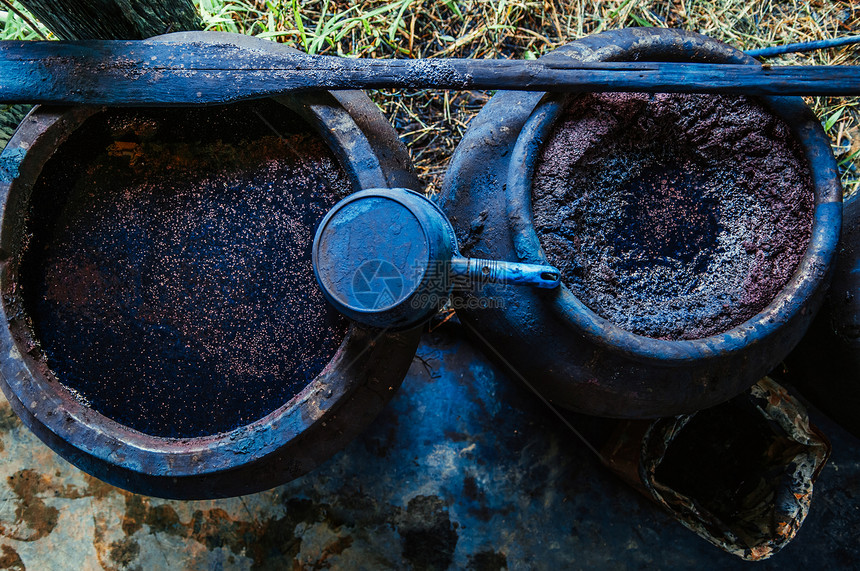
(169, 274)
(674, 216)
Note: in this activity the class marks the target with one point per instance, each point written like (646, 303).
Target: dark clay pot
(209, 459)
(550, 338)
(825, 366)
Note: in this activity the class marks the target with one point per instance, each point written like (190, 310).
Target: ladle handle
(498, 271)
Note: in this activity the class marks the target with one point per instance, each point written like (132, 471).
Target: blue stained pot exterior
(575, 357)
(826, 363)
(346, 396)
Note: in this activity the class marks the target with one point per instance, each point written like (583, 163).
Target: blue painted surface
(826, 363)
(516, 484)
(464, 469)
(9, 163)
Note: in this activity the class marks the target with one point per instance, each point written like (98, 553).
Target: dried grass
(432, 122)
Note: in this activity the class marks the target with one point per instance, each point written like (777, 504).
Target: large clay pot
(550, 338)
(222, 453)
(826, 363)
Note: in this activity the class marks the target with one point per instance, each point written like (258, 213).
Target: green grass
(16, 23)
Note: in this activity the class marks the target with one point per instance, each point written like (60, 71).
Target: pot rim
(791, 299)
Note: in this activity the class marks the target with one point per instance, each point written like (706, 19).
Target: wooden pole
(198, 73)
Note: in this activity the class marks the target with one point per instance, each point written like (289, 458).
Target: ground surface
(465, 469)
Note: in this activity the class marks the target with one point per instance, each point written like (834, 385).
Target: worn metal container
(550, 338)
(183, 436)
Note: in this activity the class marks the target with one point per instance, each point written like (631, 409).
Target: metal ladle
(389, 258)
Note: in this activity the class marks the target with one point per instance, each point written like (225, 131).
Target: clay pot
(825, 366)
(550, 338)
(221, 451)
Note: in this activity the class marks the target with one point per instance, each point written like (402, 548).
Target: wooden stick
(140, 73)
(801, 47)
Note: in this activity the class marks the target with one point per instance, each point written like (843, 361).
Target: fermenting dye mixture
(673, 216)
(168, 271)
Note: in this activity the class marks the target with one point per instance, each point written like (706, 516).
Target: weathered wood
(151, 73)
(114, 19)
